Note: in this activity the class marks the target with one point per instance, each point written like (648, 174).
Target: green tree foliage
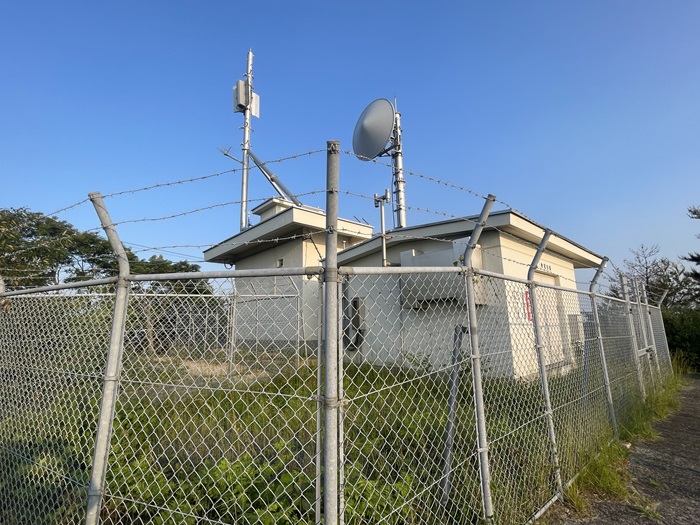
(683, 333)
(681, 305)
(694, 257)
(38, 250)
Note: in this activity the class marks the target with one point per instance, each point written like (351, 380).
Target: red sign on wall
(528, 305)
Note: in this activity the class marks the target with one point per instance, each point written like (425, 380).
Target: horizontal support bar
(57, 287)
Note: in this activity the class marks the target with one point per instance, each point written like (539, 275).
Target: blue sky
(585, 116)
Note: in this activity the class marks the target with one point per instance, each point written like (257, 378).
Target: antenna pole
(399, 182)
(379, 203)
(245, 147)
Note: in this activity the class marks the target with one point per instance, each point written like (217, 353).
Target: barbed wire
(447, 184)
(143, 248)
(467, 219)
(75, 205)
(508, 235)
(53, 241)
(188, 180)
(172, 183)
(419, 175)
(205, 208)
(34, 277)
(281, 159)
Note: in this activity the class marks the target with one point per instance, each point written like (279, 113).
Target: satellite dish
(373, 129)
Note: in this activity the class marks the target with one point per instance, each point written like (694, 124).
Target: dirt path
(665, 473)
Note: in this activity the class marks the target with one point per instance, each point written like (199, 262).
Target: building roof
(280, 227)
(508, 221)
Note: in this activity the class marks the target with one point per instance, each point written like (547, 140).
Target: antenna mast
(247, 102)
(399, 181)
(378, 125)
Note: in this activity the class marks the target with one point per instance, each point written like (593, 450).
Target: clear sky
(584, 115)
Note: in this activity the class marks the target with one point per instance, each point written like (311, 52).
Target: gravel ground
(665, 475)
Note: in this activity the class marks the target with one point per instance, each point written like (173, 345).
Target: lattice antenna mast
(246, 101)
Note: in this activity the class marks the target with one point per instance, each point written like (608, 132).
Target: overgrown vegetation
(246, 453)
(607, 475)
(683, 333)
(195, 440)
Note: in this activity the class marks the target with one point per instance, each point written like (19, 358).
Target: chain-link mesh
(659, 334)
(405, 336)
(406, 379)
(219, 417)
(52, 354)
(620, 356)
(522, 471)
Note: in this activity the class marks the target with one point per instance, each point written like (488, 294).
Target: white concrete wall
(409, 320)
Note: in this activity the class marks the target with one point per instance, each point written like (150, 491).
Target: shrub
(683, 333)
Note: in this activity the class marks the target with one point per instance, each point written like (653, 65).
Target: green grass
(607, 475)
(246, 453)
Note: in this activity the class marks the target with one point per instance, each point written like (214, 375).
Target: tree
(37, 250)
(659, 276)
(694, 257)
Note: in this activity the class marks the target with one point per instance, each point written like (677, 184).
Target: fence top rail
(495, 275)
(264, 272)
(267, 272)
(397, 270)
(613, 299)
(58, 287)
(394, 270)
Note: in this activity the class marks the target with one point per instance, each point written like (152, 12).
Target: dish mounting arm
(274, 180)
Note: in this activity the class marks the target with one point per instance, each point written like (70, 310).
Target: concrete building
(419, 313)
(286, 236)
(409, 319)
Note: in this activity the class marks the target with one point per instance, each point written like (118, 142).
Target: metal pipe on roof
(274, 180)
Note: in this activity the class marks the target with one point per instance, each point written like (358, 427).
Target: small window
(280, 263)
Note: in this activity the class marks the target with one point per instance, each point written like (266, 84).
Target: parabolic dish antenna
(373, 129)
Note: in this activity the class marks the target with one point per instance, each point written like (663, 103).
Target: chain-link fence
(463, 395)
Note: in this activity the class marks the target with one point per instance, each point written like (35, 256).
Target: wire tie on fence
(339, 403)
(331, 404)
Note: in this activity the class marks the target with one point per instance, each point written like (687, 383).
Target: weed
(575, 497)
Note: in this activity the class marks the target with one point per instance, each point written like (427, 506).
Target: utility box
(241, 102)
(418, 289)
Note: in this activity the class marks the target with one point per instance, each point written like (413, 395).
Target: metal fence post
(643, 329)
(233, 333)
(452, 405)
(650, 326)
(633, 337)
(341, 414)
(542, 363)
(319, 406)
(601, 346)
(330, 393)
(481, 433)
(112, 368)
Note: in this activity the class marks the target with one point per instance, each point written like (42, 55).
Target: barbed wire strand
(204, 208)
(186, 181)
(441, 182)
